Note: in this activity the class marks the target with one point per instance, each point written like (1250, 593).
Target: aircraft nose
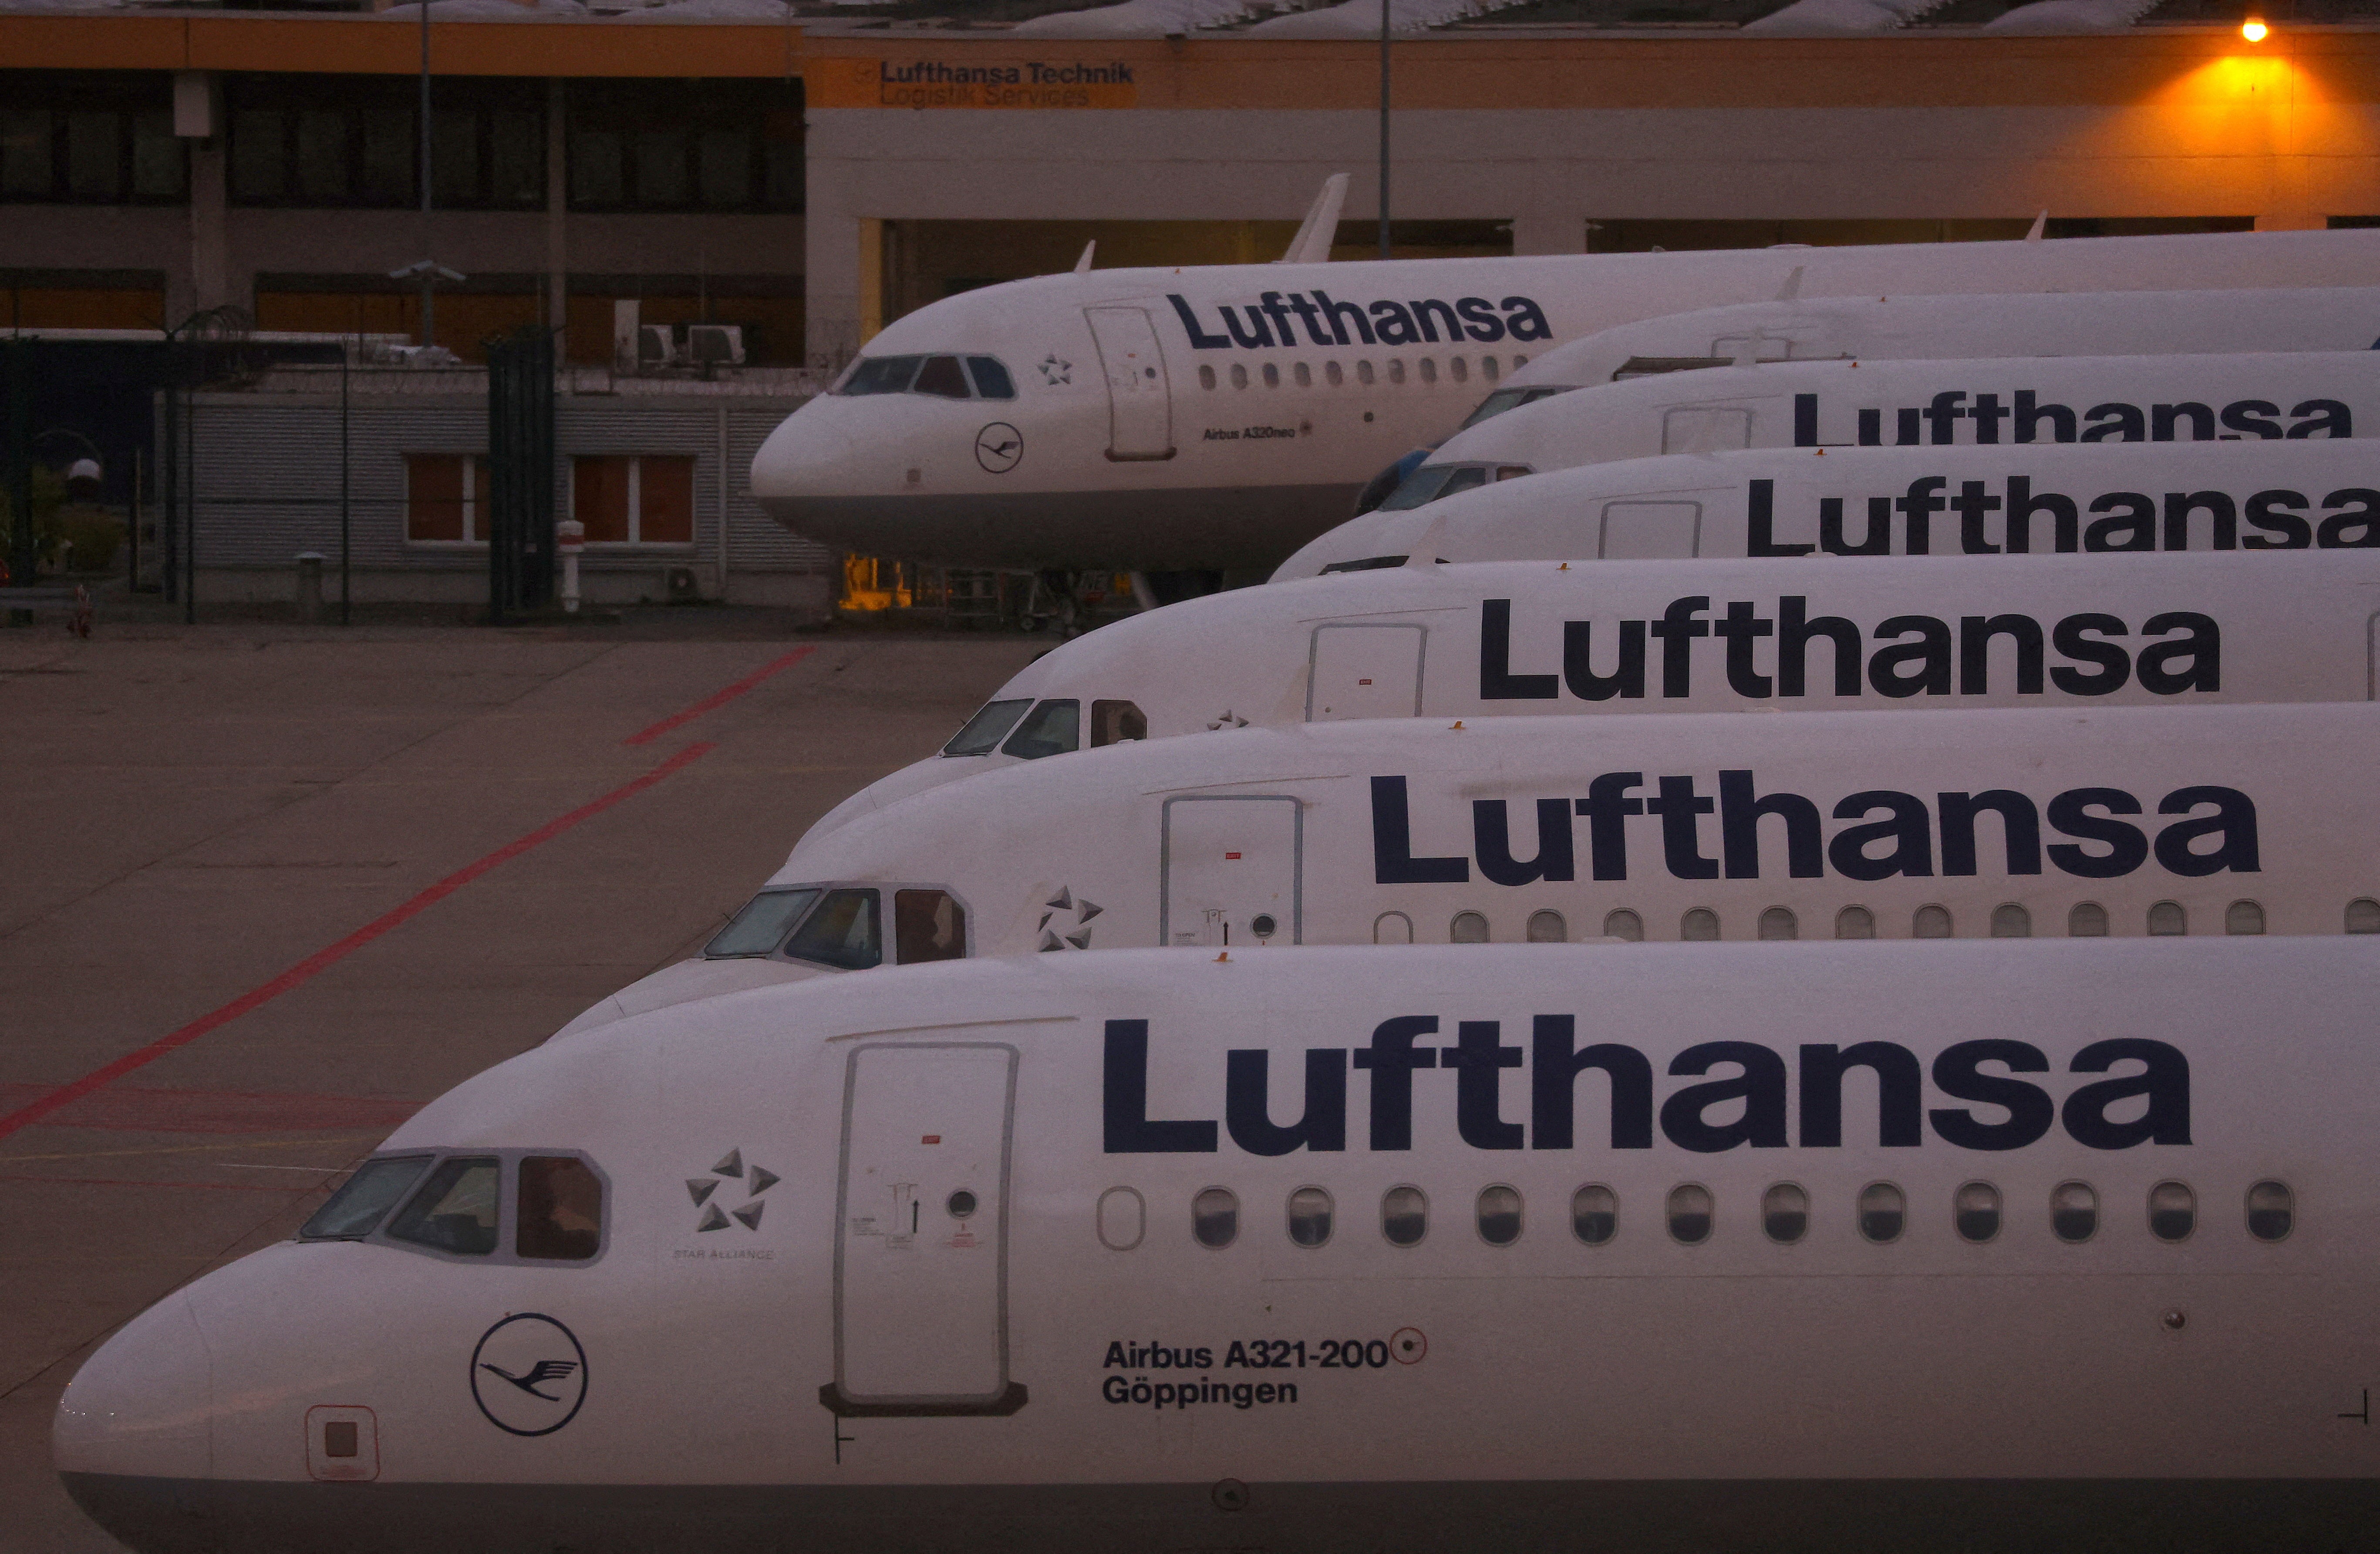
(139, 1410)
(810, 454)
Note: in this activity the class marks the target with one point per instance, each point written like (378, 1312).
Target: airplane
(2075, 499)
(2012, 401)
(1493, 637)
(1991, 1245)
(1211, 420)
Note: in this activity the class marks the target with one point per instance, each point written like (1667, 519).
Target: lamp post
(1384, 129)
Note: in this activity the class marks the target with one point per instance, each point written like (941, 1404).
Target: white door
(1705, 429)
(921, 1247)
(1140, 415)
(1230, 871)
(1364, 672)
(1650, 531)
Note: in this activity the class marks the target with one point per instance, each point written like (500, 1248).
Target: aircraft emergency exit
(2086, 499)
(2269, 397)
(1215, 417)
(1991, 1245)
(1538, 637)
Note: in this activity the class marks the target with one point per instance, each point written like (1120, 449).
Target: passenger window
(1593, 1214)
(992, 380)
(1457, 371)
(2167, 919)
(1623, 924)
(1238, 376)
(1309, 1217)
(2011, 920)
(1931, 922)
(1396, 370)
(1364, 372)
(1548, 927)
(455, 1210)
(1392, 927)
(1689, 1215)
(1785, 1213)
(1854, 922)
(1304, 376)
(1883, 1211)
(2173, 1211)
(1271, 375)
(1778, 922)
(1468, 927)
(941, 378)
(2271, 1210)
(2073, 1212)
(1122, 1218)
(1430, 369)
(1699, 927)
(1215, 1217)
(1500, 1215)
(357, 1208)
(2088, 920)
(928, 926)
(559, 1209)
(1113, 722)
(1488, 368)
(842, 932)
(1333, 373)
(1975, 1212)
(1048, 730)
(1206, 376)
(2363, 916)
(984, 732)
(2244, 916)
(1404, 1216)
(762, 925)
(881, 374)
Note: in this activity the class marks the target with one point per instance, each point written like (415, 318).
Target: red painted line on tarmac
(322, 960)
(208, 1186)
(717, 699)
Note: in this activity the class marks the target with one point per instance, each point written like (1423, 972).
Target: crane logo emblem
(529, 1374)
(999, 447)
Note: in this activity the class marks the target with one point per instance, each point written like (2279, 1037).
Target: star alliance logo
(1066, 921)
(756, 1179)
(1054, 371)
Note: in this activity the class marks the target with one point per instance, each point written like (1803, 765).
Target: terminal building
(794, 178)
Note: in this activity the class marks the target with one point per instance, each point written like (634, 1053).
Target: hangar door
(1230, 870)
(1140, 412)
(921, 1234)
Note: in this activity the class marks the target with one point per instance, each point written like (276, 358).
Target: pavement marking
(721, 697)
(322, 960)
(196, 1148)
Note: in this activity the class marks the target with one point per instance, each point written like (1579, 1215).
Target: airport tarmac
(265, 890)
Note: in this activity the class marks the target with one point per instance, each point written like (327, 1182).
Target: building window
(91, 138)
(633, 499)
(354, 141)
(697, 145)
(446, 499)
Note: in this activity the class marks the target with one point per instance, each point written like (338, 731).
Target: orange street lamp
(2253, 30)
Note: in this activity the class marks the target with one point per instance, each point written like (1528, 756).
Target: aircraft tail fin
(2040, 226)
(1311, 244)
(1791, 289)
(1084, 262)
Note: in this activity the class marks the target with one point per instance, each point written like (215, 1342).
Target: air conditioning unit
(715, 344)
(655, 347)
(679, 585)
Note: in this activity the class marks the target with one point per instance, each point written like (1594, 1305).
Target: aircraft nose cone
(137, 1413)
(809, 455)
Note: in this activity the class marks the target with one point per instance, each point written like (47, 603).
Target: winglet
(1311, 244)
(1084, 262)
(2040, 226)
(1791, 289)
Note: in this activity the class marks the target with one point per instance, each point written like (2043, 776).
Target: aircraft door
(1706, 429)
(1231, 871)
(1650, 531)
(1364, 671)
(921, 1231)
(1140, 411)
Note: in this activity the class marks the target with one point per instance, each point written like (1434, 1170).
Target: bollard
(310, 587)
(570, 537)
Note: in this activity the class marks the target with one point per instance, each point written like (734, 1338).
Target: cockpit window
(984, 732)
(357, 1210)
(455, 1210)
(1506, 399)
(941, 376)
(928, 926)
(1113, 722)
(992, 380)
(881, 374)
(761, 926)
(1419, 487)
(842, 932)
(560, 1209)
(1050, 730)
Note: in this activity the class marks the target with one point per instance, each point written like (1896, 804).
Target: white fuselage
(1216, 417)
(2107, 501)
(2008, 402)
(1982, 1245)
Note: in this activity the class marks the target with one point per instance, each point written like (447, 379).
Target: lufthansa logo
(999, 446)
(529, 1374)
